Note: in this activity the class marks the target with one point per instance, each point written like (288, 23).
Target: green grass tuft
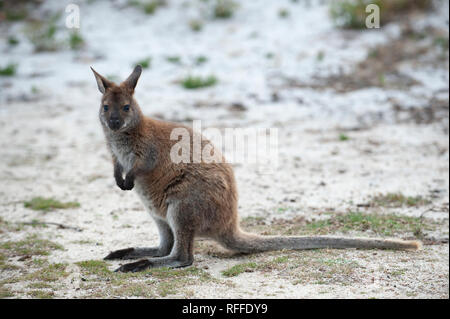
(196, 25)
(197, 82)
(148, 6)
(145, 63)
(8, 70)
(283, 13)
(320, 56)
(94, 267)
(76, 41)
(201, 60)
(174, 59)
(47, 204)
(224, 9)
(13, 41)
(239, 269)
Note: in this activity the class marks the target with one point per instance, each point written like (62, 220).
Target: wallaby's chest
(124, 153)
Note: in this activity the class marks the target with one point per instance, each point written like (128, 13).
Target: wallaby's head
(119, 111)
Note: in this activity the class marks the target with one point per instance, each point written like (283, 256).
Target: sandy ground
(52, 146)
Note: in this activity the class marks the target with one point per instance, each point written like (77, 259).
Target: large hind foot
(143, 264)
(134, 253)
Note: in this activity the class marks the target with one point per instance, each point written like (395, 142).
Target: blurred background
(362, 114)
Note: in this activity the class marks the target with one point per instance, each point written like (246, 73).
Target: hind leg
(164, 248)
(182, 255)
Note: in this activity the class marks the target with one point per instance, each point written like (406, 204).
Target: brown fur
(186, 200)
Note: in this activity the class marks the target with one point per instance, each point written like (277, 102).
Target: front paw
(135, 267)
(120, 183)
(128, 185)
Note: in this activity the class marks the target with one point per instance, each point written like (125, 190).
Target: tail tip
(415, 245)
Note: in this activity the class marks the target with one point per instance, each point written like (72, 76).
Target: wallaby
(186, 200)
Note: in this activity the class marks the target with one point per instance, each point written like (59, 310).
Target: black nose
(114, 123)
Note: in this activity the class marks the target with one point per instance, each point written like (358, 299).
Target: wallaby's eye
(126, 108)
(105, 108)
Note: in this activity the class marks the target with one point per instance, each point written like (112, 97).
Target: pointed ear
(133, 78)
(102, 83)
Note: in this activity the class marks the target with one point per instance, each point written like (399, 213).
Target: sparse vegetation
(239, 269)
(35, 90)
(201, 60)
(16, 14)
(197, 82)
(442, 42)
(378, 224)
(395, 200)
(352, 13)
(135, 289)
(196, 25)
(13, 41)
(145, 63)
(174, 59)
(148, 6)
(318, 267)
(164, 281)
(224, 9)
(5, 292)
(48, 204)
(343, 137)
(39, 285)
(85, 242)
(283, 13)
(42, 34)
(76, 41)
(8, 70)
(385, 225)
(42, 294)
(48, 274)
(320, 56)
(382, 79)
(31, 245)
(94, 267)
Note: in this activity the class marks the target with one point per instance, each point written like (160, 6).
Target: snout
(114, 123)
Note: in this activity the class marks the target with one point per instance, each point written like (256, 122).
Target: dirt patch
(437, 110)
(382, 67)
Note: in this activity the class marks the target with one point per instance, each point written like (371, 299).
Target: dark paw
(128, 185)
(120, 183)
(135, 267)
(119, 254)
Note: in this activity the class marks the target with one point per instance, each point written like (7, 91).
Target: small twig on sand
(61, 226)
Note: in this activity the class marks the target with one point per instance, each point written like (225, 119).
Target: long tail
(250, 243)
